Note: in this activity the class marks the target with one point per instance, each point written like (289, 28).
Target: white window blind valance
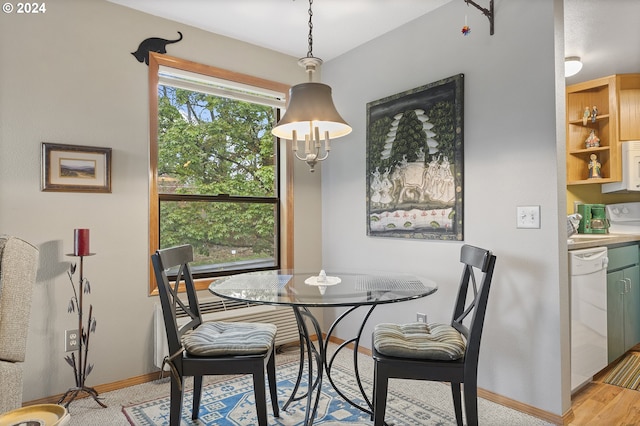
(219, 87)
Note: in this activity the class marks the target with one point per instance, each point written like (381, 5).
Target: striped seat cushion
(419, 340)
(229, 338)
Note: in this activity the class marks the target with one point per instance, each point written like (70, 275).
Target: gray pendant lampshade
(310, 105)
(311, 116)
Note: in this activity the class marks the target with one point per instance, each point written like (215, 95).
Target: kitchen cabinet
(617, 100)
(623, 299)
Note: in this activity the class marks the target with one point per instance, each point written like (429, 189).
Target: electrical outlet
(71, 340)
(421, 317)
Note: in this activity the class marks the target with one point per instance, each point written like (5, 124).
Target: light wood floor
(599, 403)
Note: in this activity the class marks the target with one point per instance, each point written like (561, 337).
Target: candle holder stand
(79, 362)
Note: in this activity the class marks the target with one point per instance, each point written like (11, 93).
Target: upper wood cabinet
(617, 101)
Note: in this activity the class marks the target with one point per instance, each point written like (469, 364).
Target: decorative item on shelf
(594, 167)
(594, 114)
(311, 113)
(585, 116)
(79, 363)
(592, 140)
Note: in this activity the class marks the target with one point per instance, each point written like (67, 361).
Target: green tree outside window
(217, 180)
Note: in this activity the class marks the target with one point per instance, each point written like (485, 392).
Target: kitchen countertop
(583, 241)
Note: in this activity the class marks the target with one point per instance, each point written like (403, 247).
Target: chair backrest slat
(163, 261)
(476, 261)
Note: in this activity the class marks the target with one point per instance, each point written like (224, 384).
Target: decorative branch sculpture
(80, 364)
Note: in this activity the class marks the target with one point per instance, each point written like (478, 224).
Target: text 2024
(31, 7)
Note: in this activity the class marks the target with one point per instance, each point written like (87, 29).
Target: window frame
(284, 158)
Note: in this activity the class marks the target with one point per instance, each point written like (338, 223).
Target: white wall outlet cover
(528, 216)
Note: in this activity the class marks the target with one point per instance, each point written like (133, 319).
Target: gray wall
(511, 159)
(68, 77)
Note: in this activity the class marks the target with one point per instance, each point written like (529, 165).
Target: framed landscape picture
(73, 168)
(415, 163)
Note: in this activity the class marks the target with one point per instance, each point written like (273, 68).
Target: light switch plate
(528, 216)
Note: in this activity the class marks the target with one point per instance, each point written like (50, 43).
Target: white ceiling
(283, 25)
(605, 34)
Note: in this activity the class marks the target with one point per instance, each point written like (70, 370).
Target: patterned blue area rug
(231, 402)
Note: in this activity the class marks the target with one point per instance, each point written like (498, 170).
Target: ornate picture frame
(415, 163)
(75, 168)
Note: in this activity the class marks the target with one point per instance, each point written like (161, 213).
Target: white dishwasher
(588, 281)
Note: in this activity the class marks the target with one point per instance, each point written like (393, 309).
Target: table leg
(318, 357)
(356, 342)
(314, 356)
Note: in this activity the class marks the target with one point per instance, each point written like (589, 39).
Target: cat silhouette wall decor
(153, 44)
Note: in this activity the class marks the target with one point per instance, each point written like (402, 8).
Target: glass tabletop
(293, 288)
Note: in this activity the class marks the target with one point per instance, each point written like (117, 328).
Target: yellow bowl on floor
(36, 415)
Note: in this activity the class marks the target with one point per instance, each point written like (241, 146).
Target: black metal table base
(317, 362)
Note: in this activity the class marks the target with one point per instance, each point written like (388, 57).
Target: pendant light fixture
(311, 113)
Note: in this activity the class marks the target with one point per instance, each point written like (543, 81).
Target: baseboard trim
(107, 387)
(519, 406)
(568, 417)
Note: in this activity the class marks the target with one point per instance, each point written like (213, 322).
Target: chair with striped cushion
(209, 348)
(438, 352)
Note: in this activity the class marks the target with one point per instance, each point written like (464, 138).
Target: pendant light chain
(310, 52)
(311, 114)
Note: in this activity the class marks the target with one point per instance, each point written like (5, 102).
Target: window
(218, 180)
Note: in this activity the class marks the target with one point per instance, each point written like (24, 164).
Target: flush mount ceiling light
(572, 66)
(311, 113)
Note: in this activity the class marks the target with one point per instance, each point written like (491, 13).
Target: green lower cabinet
(623, 303)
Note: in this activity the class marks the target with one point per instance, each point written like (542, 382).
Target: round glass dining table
(304, 290)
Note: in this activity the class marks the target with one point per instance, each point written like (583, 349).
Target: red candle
(81, 242)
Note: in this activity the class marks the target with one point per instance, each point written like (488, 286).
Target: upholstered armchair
(18, 266)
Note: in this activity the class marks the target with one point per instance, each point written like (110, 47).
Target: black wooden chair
(210, 348)
(438, 352)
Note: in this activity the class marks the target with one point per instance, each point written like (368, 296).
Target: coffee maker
(594, 219)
